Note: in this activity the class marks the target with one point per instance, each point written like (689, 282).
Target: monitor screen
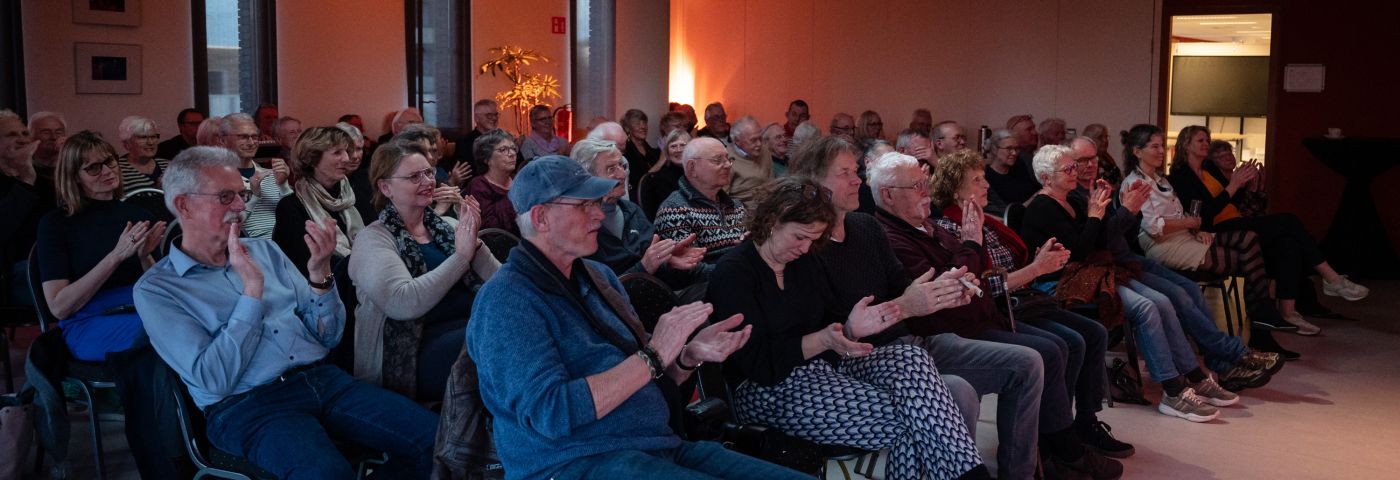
(1223, 86)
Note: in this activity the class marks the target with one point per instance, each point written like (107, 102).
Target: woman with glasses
(321, 158)
(1011, 183)
(665, 176)
(92, 250)
(496, 151)
(139, 167)
(805, 369)
(416, 275)
(869, 128)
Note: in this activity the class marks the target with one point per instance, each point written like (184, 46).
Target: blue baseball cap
(547, 178)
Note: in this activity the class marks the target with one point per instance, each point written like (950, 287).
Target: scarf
(403, 340)
(1019, 253)
(320, 205)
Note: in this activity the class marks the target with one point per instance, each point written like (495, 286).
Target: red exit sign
(557, 25)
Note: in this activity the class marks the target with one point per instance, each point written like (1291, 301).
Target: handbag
(16, 433)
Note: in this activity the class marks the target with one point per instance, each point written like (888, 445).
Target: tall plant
(527, 89)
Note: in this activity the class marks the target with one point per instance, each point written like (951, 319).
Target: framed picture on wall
(108, 12)
(107, 68)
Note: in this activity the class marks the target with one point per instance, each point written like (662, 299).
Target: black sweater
(1189, 187)
(864, 264)
(290, 231)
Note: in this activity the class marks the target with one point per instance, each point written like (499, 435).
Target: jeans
(1221, 351)
(1013, 372)
(1055, 414)
(1085, 371)
(689, 461)
(285, 427)
(1158, 332)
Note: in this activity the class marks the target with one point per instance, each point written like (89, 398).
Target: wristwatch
(323, 284)
(653, 362)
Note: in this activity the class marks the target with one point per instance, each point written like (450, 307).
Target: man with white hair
(700, 206)
(49, 129)
(267, 183)
(248, 334)
(486, 114)
(915, 143)
(753, 165)
(594, 401)
(716, 123)
(139, 167)
(948, 137)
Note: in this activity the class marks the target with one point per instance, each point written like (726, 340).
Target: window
(235, 47)
(439, 77)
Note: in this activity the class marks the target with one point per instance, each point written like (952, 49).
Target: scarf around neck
(440, 232)
(320, 205)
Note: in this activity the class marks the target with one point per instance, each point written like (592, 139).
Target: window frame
(264, 48)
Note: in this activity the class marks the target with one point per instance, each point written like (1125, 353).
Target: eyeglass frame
(95, 168)
(417, 177)
(226, 197)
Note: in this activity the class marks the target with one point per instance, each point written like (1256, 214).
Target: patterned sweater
(717, 225)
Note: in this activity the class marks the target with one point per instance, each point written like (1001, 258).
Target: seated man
(575, 384)
(247, 333)
(753, 165)
(700, 206)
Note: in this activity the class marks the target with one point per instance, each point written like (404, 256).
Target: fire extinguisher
(564, 122)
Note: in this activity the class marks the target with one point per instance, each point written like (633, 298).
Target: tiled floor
(1330, 415)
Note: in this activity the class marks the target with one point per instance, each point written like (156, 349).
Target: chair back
(151, 199)
(206, 458)
(36, 288)
(500, 242)
(343, 354)
(173, 233)
(1015, 213)
(650, 297)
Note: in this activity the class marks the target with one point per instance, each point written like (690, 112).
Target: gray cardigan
(386, 290)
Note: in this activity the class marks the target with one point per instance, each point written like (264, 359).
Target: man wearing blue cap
(576, 386)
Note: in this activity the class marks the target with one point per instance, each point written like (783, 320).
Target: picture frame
(108, 12)
(107, 68)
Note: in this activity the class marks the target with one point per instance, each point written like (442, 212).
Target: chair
(500, 242)
(650, 297)
(1013, 216)
(343, 354)
(173, 233)
(151, 199)
(87, 375)
(13, 315)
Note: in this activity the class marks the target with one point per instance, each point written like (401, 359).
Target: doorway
(1218, 76)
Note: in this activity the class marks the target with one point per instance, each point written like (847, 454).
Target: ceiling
(1249, 29)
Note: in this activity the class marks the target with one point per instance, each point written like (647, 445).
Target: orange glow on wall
(681, 86)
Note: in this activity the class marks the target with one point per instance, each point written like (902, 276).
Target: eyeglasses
(243, 136)
(540, 119)
(95, 168)
(918, 187)
(999, 147)
(581, 205)
(490, 115)
(226, 197)
(1069, 170)
(147, 138)
(1086, 159)
(720, 160)
(507, 149)
(418, 177)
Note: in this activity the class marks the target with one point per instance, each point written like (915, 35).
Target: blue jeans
(689, 461)
(1158, 332)
(1221, 351)
(1087, 343)
(285, 427)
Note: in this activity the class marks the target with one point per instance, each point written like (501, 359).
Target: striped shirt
(133, 180)
(716, 225)
(262, 209)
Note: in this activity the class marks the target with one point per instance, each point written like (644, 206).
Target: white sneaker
(1345, 288)
(1189, 406)
(1305, 328)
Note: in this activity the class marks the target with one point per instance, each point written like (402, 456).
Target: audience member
(266, 182)
(948, 137)
(669, 122)
(400, 120)
(1052, 132)
(1012, 184)
(960, 191)
(23, 198)
(139, 167)
(858, 261)
(716, 123)
(822, 381)
(550, 315)
(700, 206)
(922, 121)
(1252, 200)
(496, 151)
(916, 143)
(321, 193)
(802, 135)
(689, 112)
(843, 125)
(265, 117)
(247, 335)
(287, 130)
(431, 140)
(1027, 140)
(1290, 252)
(208, 134)
(753, 166)
(93, 250)
(49, 130)
(775, 142)
(664, 177)
(359, 172)
(640, 155)
(1109, 170)
(541, 141)
(486, 115)
(187, 122)
(869, 128)
(415, 275)
(797, 113)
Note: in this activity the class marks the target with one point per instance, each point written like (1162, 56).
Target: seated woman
(416, 275)
(1171, 238)
(496, 151)
(359, 172)
(322, 191)
(1254, 200)
(139, 167)
(801, 371)
(665, 176)
(92, 250)
(1289, 250)
(640, 155)
(1189, 392)
(959, 192)
(1010, 183)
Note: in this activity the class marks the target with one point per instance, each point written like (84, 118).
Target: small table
(1356, 242)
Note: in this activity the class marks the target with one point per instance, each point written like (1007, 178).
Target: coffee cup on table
(1334, 132)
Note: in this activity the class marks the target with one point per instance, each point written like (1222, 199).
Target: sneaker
(1089, 465)
(1267, 343)
(1305, 328)
(1242, 377)
(1096, 436)
(1277, 325)
(1269, 362)
(1345, 288)
(1189, 406)
(1214, 395)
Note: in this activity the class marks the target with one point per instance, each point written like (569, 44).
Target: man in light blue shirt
(247, 333)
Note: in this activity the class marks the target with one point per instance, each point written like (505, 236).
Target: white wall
(523, 23)
(334, 61)
(1087, 61)
(167, 82)
(643, 48)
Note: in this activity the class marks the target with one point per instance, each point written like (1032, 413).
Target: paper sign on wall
(1304, 77)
